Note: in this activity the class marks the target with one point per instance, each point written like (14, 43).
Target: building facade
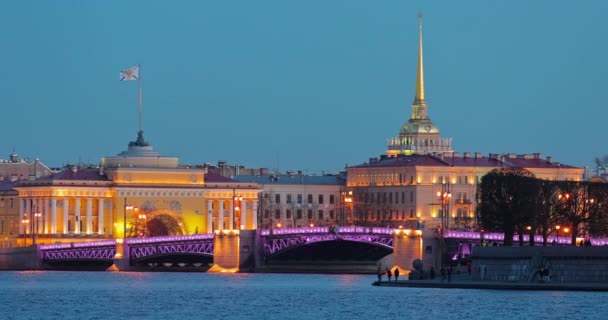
(12, 171)
(135, 193)
(403, 190)
(422, 183)
(298, 200)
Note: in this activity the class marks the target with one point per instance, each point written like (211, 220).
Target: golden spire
(420, 73)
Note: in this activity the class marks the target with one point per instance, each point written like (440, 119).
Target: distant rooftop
(465, 160)
(293, 179)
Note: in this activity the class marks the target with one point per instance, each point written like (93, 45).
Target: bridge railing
(337, 229)
(203, 236)
(78, 245)
(493, 236)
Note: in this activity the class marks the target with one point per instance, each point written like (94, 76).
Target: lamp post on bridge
(24, 221)
(444, 197)
(124, 219)
(236, 208)
(36, 226)
(347, 200)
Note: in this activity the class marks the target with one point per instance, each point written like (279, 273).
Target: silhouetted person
(389, 274)
(432, 272)
(442, 274)
(449, 273)
(379, 274)
(396, 274)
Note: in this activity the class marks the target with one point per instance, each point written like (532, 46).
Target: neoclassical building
(299, 200)
(404, 186)
(135, 193)
(12, 171)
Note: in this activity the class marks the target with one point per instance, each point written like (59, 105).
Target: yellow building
(405, 187)
(135, 193)
(11, 171)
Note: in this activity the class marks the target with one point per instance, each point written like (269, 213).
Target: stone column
(53, 215)
(40, 218)
(220, 216)
(244, 214)
(231, 215)
(28, 215)
(254, 214)
(21, 211)
(100, 220)
(89, 215)
(77, 216)
(47, 216)
(209, 216)
(66, 217)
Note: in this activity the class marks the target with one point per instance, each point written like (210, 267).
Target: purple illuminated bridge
(272, 241)
(277, 240)
(139, 248)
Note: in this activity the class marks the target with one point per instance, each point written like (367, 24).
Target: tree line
(514, 201)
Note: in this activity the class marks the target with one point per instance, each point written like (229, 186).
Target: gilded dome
(419, 127)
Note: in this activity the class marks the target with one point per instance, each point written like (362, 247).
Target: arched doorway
(164, 223)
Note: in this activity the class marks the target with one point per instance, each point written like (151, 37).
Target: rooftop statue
(140, 142)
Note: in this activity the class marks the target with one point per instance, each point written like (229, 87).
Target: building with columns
(11, 171)
(135, 193)
(403, 187)
(299, 200)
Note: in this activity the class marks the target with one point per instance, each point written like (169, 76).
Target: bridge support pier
(407, 247)
(226, 251)
(123, 257)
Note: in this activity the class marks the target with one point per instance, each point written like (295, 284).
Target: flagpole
(139, 67)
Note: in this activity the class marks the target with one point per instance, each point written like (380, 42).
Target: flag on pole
(130, 74)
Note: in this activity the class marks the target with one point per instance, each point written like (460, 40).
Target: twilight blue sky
(301, 85)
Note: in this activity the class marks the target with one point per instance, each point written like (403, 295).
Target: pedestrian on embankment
(379, 274)
(396, 274)
(449, 273)
(389, 274)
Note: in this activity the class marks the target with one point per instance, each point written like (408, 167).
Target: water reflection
(140, 295)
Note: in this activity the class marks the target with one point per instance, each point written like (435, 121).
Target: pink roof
(80, 175)
(432, 161)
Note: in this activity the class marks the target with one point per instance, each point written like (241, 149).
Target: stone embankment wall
(23, 258)
(565, 263)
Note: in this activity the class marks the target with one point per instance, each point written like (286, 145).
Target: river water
(134, 295)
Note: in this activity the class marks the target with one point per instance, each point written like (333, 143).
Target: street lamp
(124, 218)
(444, 196)
(37, 216)
(557, 232)
(25, 221)
(142, 221)
(347, 201)
(236, 207)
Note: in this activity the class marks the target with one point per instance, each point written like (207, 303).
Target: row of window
(11, 203)
(389, 214)
(406, 179)
(384, 197)
(299, 214)
(299, 198)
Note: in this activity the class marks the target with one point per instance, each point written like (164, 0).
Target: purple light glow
(78, 245)
(339, 230)
(500, 237)
(203, 236)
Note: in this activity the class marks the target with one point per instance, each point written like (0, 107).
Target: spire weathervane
(420, 70)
